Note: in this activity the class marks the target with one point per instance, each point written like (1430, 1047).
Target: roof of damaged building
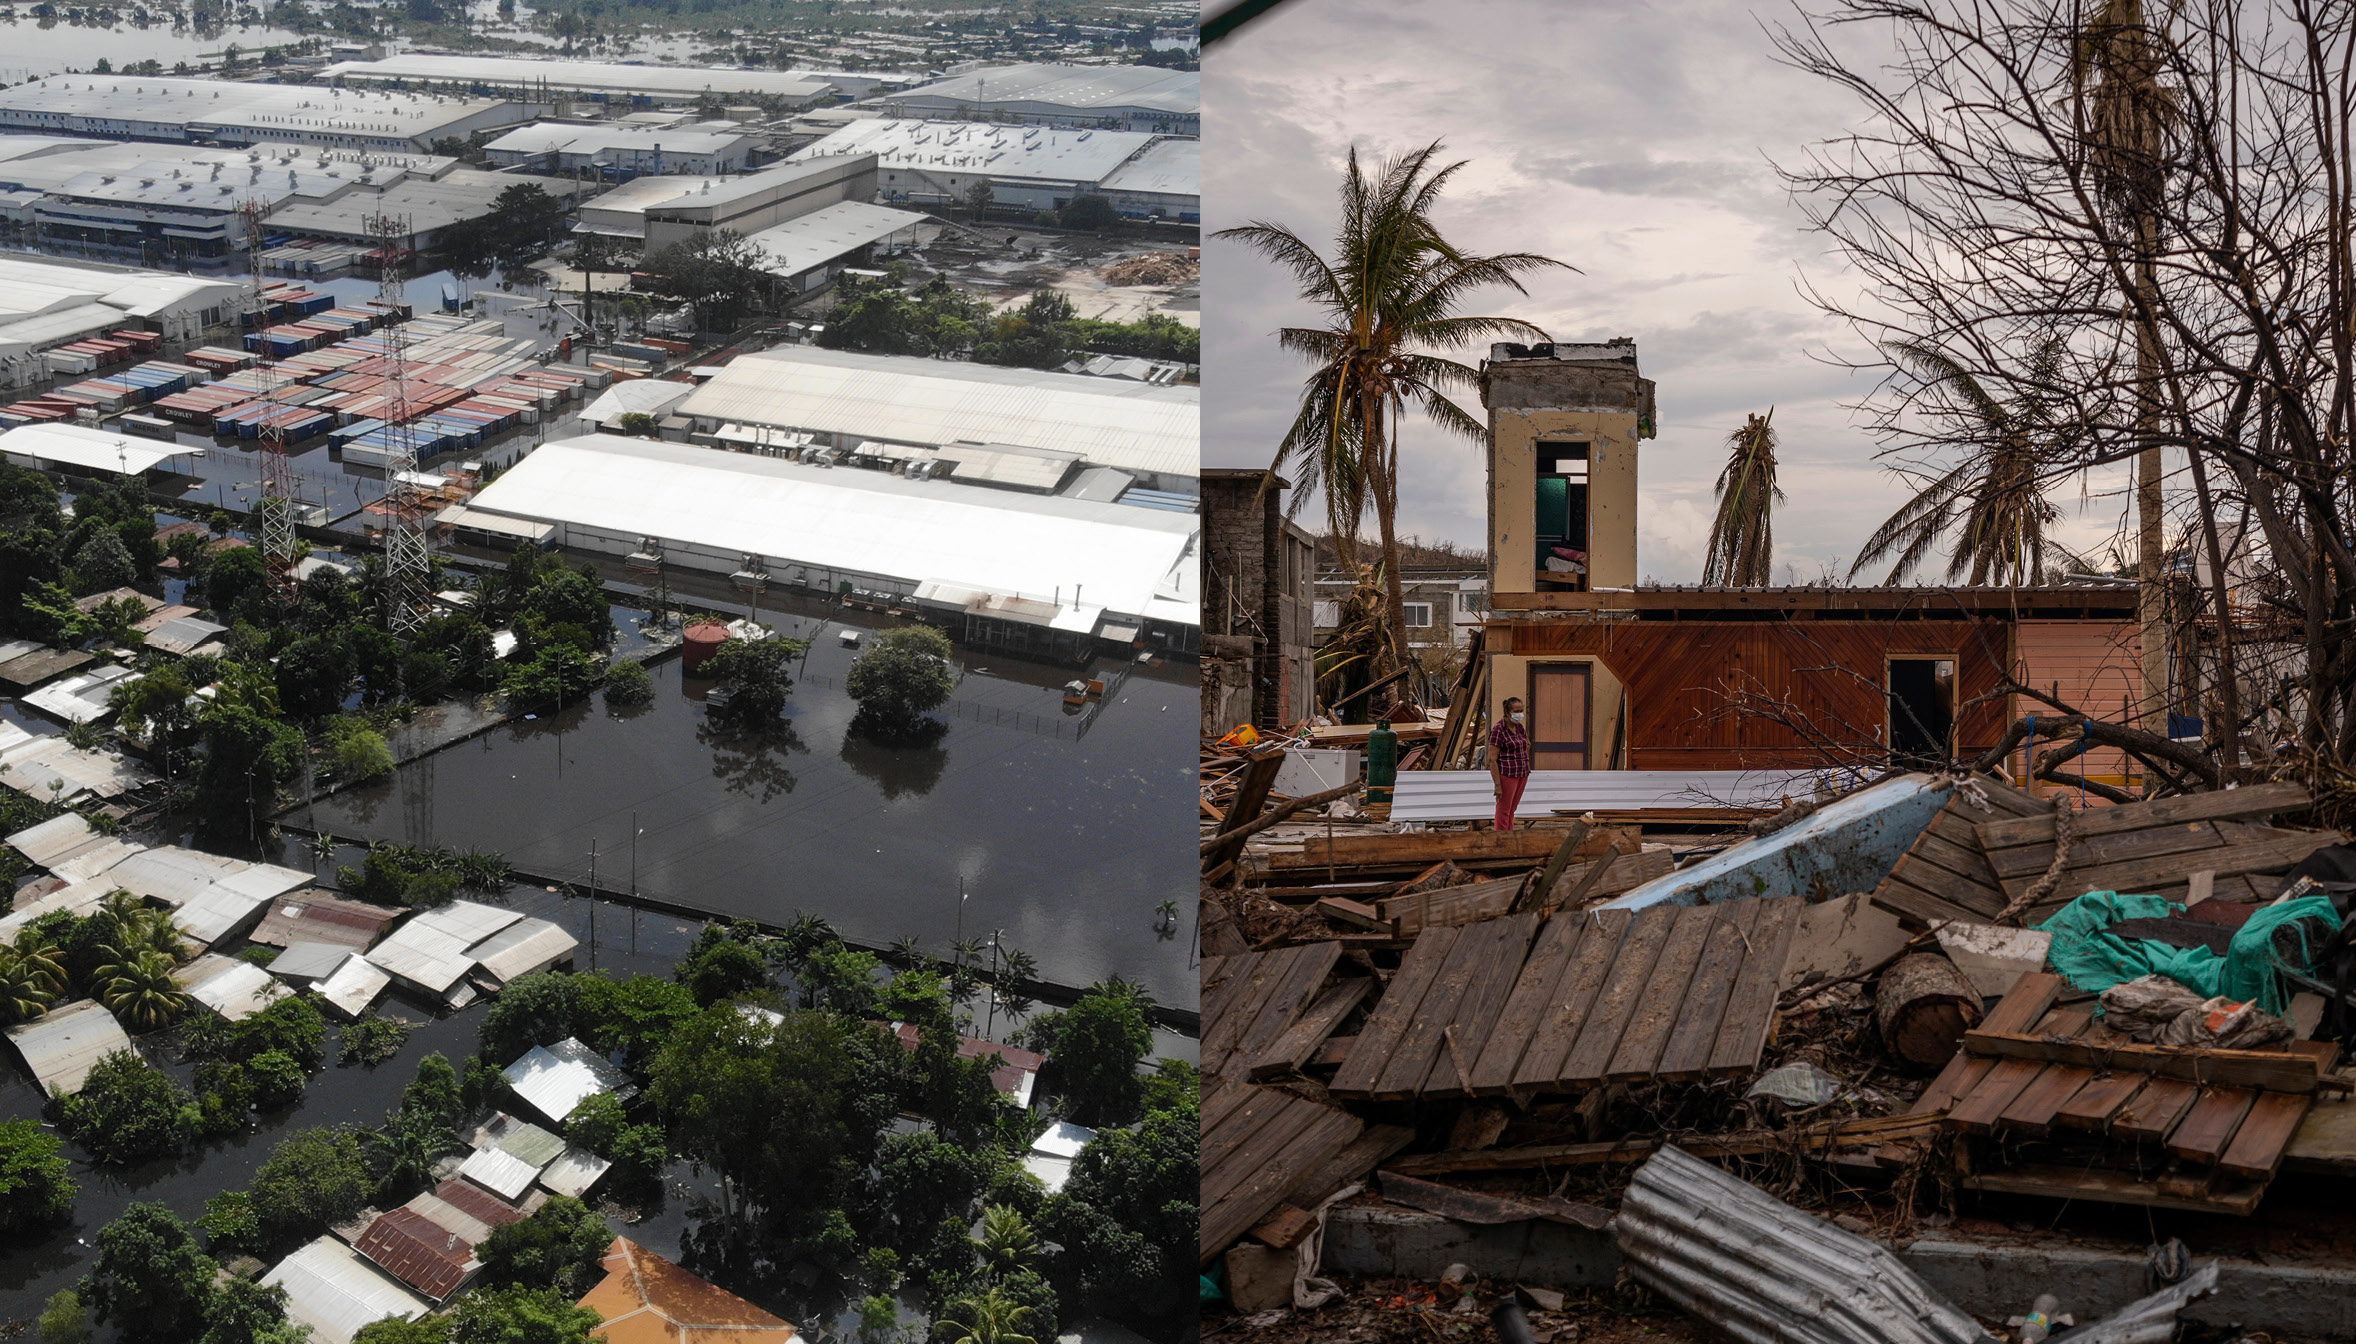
(645, 1299)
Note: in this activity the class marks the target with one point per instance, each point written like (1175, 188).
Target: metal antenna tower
(276, 508)
(408, 571)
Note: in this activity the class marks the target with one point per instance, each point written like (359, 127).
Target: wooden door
(1560, 695)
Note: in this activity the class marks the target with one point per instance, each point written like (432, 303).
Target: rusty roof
(476, 1202)
(313, 916)
(646, 1299)
(1006, 1076)
(419, 1252)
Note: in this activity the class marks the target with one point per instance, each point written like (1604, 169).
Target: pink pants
(1509, 797)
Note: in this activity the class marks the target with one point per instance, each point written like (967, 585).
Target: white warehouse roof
(932, 402)
(993, 149)
(586, 76)
(89, 449)
(336, 1291)
(550, 137)
(812, 240)
(1072, 87)
(1128, 560)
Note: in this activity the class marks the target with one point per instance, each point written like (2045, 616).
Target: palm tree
(41, 959)
(1994, 500)
(986, 1317)
(1388, 297)
(139, 988)
(2126, 114)
(1006, 1239)
(24, 991)
(1742, 537)
(908, 950)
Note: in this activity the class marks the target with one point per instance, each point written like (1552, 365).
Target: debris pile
(1891, 995)
(1154, 268)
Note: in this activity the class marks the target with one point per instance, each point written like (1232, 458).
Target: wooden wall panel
(2094, 665)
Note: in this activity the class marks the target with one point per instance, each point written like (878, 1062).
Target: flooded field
(1064, 832)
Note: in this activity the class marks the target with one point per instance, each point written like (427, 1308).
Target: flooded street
(1061, 830)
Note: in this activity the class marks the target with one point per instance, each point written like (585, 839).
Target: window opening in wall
(1561, 559)
(1419, 614)
(1922, 711)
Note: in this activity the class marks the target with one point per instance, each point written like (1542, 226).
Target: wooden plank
(1533, 996)
(2155, 1109)
(1955, 1081)
(2144, 874)
(1423, 1043)
(1687, 1054)
(1312, 963)
(2092, 1106)
(1574, 996)
(1466, 904)
(2200, 887)
(2098, 850)
(1964, 860)
(1919, 908)
(2031, 998)
(2255, 800)
(1608, 1017)
(1394, 1013)
(1242, 1114)
(1284, 1228)
(1349, 1165)
(1665, 996)
(1750, 1008)
(1263, 1169)
(1356, 914)
(2280, 1071)
(2032, 1111)
(1982, 1109)
(1808, 1138)
(1250, 985)
(2265, 1134)
(1289, 1052)
(1497, 968)
(1921, 873)
(1426, 847)
(2104, 1186)
(2207, 1129)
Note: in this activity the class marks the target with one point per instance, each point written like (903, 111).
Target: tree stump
(1923, 1005)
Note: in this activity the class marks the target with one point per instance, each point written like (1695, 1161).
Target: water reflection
(907, 763)
(751, 761)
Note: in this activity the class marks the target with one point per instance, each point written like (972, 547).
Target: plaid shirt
(1509, 748)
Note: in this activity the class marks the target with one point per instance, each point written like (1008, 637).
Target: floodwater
(1065, 833)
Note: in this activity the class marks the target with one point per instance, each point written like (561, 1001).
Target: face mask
(1515, 715)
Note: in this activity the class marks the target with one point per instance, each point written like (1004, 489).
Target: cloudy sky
(1633, 141)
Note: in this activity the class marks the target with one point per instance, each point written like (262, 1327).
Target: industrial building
(1163, 182)
(1026, 167)
(226, 112)
(548, 81)
(45, 305)
(137, 204)
(1116, 97)
(617, 151)
(1043, 574)
(667, 210)
(1150, 435)
(811, 250)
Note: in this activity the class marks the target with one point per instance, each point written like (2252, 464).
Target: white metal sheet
(573, 1173)
(501, 1173)
(336, 1291)
(1469, 795)
(64, 1044)
(53, 840)
(354, 986)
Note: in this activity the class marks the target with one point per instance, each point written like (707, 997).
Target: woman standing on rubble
(1509, 762)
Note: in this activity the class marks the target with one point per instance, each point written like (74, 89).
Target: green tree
(1387, 298)
(558, 675)
(536, 1009)
(241, 1311)
(64, 1320)
(277, 1080)
(1032, 336)
(470, 248)
(521, 1316)
(1742, 535)
(633, 1016)
(25, 991)
(394, 1330)
(922, 1181)
(569, 597)
(524, 221)
(103, 563)
(314, 675)
(561, 1246)
(247, 758)
(628, 685)
(719, 276)
(313, 1178)
(880, 315)
(986, 1317)
(757, 674)
(150, 1280)
(357, 752)
(1098, 1046)
(596, 1123)
(1094, 213)
(137, 984)
(721, 966)
(905, 673)
(232, 575)
(1006, 1240)
(1128, 1218)
(128, 1111)
(35, 1189)
(978, 198)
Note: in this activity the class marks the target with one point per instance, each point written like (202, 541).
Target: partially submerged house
(1616, 675)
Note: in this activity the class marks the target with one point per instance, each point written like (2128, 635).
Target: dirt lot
(1005, 265)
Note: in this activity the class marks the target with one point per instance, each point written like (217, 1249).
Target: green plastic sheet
(2093, 959)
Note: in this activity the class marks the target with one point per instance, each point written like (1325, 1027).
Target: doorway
(1561, 696)
(1922, 712)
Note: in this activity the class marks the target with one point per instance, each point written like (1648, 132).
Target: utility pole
(997, 940)
(634, 834)
(593, 903)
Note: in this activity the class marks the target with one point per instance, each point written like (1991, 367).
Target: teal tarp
(2093, 959)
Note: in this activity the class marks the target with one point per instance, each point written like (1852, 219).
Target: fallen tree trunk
(1922, 1007)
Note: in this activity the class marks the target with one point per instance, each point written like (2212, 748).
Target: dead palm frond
(1742, 536)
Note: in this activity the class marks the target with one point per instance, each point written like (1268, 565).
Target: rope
(2064, 822)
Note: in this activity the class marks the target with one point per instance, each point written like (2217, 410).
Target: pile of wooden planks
(1268, 1013)
(1972, 863)
(1531, 1004)
(2085, 1113)
(1265, 1150)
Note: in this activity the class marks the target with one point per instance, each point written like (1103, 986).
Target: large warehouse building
(1029, 167)
(226, 112)
(542, 81)
(615, 151)
(44, 305)
(679, 209)
(1150, 435)
(1039, 574)
(1118, 97)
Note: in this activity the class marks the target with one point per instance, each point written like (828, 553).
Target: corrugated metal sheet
(53, 840)
(64, 1044)
(309, 961)
(574, 1172)
(1469, 795)
(78, 897)
(217, 914)
(477, 1203)
(503, 1174)
(176, 877)
(96, 859)
(520, 1139)
(354, 986)
(1850, 844)
(265, 880)
(1733, 1256)
(235, 989)
(336, 1291)
(521, 948)
(442, 1213)
(556, 1079)
(419, 1252)
(430, 950)
(319, 917)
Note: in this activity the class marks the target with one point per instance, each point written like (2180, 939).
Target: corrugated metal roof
(1469, 795)
(1075, 87)
(336, 1291)
(320, 917)
(354, 986)
(1849, 844)
(235, 989)
(521, 948)
(556, 1079)
(52, 767)
(309, 961)
(96, 859)
(430, 950)
(174, 876)
(79, 898)
(477, 1203)
(64, 1044)
(218, 913)
(931, 402)
(1063, 1139)
(418, 1251)
(53, 840)
(501, 1173)
(1052, 1171)
(442, 1213)
(574, 1172)
(74, 446)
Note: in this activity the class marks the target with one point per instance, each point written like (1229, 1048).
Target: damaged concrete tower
(1564, 424)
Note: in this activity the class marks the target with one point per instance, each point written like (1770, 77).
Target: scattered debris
(1154, 268)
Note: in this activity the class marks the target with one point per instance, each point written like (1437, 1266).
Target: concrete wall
(1256, 587)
